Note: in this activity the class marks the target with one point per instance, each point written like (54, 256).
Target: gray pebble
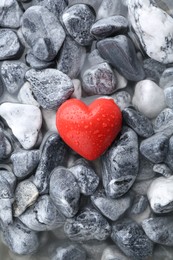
(5, 146)
(109, 26)
(51, 87)
(78, 20)
(94, 58)
(120, 164)
(122, 99)
(162, 169)
(13, 75)
(69, 252)
(20, 239)
(131, 239)
(138, 122)
(120, 52)
(37, 64)
(164, 121)
(153, 69)
(71, 58)
(86, 177)
(140, 204)
(169, 96)
(42, 215)
(145, 169)
(53, 153)
(111, 7)
(113, 209)
(42, 32)
(141, 187)
(166, 78)
(87, 225)
(99, 79)
(155, 148)
(169, 157)
(113, 253)
(64, 191)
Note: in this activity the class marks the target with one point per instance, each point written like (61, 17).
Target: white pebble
(25, 95)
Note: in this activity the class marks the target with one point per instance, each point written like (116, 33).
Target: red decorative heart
(89, 130)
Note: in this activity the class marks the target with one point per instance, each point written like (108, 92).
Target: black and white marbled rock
(5, 146)
(69, 252)
(110, 8)
(112, 209)
(13, 75)
(71, 58)
(169, 158)
(140, 204)
(52, 155)
(159, 229)
(86, 177)
(122, 99)
(78, 20)
(10, 13)
(164, 122)
(120, 164)
(160, 195)
(24, 120)
(20, 239)
(42, 215)
(113, 253)
(169, 97)
(138, 122)
(120, 52)
(25, 95)
(51, 87)
(155, 148)
(42, 32)
(24, 162)
(64, 191)
(145, 169)
(87, 225)
(10, 47)
(109, 26)
(153, 69)
(37, 64)
(131, 239)
(159, 47)
(162, 169)
(99, 80)
(166, 78)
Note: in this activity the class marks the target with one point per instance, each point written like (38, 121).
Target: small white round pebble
(25, 95)
(148, 98)
(77, 89)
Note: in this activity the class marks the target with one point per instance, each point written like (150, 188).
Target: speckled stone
(153, 69)
(162, 169)
(69, 252)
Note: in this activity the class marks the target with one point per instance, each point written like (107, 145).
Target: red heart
(89, 130)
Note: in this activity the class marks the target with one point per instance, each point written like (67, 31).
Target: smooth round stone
(169, 96)
(109, 26)
(9, 44)
(13, 75)
(153, 69)
(166, 79)
(120, 52)
(160, 195)
(51, 87)
(42, 32)
(122, 99)
(113, 253)
(78, 20)
(69, 252)
(164, 121)
(37, 64)
(148, 98)
(25, 95)
(162, 169)
(99, 80)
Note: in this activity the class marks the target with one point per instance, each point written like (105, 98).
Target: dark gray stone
(145, 169)
(169, 96)
(138, 122)
(164, 122)
(86, 177)
(53, 153)
(109, 26)
(5, 146)
(43, 215)
(37, 64)
(153, 69)
(69, 252)
(64, 191)
(87, 225)
(169, 157)
(78, 20)
(13, 75)
(42, 32)
(155, 148)
(71, 58)
(94, 58)
(131, 239)
(120, 52)
(51, 87)
(166, 78)
(140, 203)
(113, 209)
(120, 164)
(162, 169)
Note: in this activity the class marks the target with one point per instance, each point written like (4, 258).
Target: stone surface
(162, 169)
(169, 97)
(166, 78)
(37, 64)
(113, 253)
(51, 87)
(153, 69)
(145, 169)
(77, 93)
(25, 95)
(24, 120)
(164, 121)
(5, 146)
(120, 52)
(113, 7)
(70, 252)
(169, 158)
(140, 204)
(49, 119)
(122, 99)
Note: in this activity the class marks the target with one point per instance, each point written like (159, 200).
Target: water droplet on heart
(113, 116)
(91, 123)
(104, 115)
(104, 125)
(96, 132)
(98, 119)
(86, 126)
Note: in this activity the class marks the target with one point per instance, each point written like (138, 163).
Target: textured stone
(113, 253)
(69, 252)
(140, 204)
(164, 121)
(145, 169)
(153, 69)
(162, 169)
(169, 96)
(166, 78)
(25, 95)
(122, 99)
(5, 146)
(37, 64)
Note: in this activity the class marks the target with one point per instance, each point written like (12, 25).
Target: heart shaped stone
(89, 130)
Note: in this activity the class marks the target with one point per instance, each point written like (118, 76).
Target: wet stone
(37, 64)
(5, 146)
(164, 121)
(85, 176)
(120, 164)
(78, 20)
(140, 204)
(169, 96)
(71, 58)
(24, 162)
(162, 169)
(87, 225)
(26, 194)
(25, 95)
(113, 209)
(51, 87)
(120, 52)
(131, 239)
(9, 44)
(122, 99)
(138, 122)
(109, 26)
(42, 215)
(166, 78)
(64, 191)
(155, 148)
(69, 252)
(13, 75)
(153, 69)
(52, 155)
(42, 32)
